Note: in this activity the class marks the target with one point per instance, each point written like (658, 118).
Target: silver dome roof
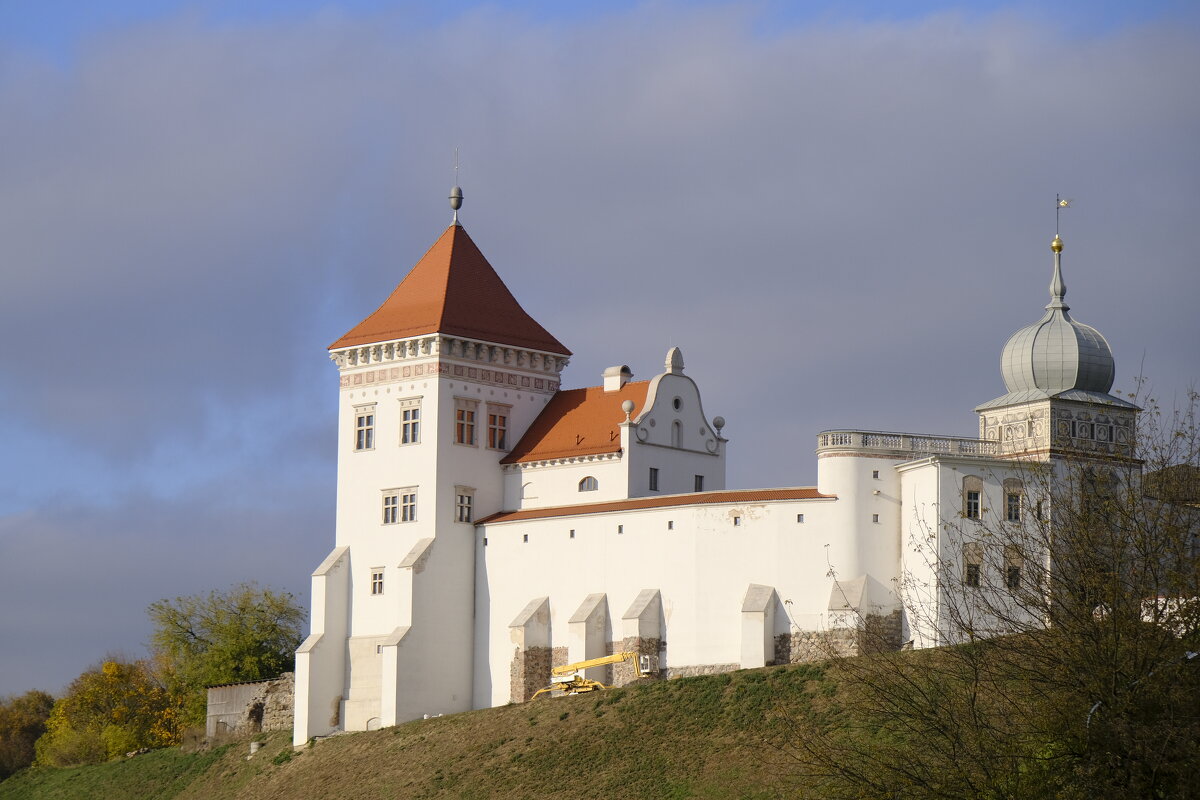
(1056, 354)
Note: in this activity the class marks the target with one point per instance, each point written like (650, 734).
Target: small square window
(572, 533)
(525, 537)
(799, 518)
(875, 474)
(670, 524)
(874, 518)
(737, 521)
(620, 529)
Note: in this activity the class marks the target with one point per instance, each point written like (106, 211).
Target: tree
(22, 721)
(1074, 676)
(107, 711)
(243, 634)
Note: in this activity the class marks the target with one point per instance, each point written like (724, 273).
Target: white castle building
(491, 524)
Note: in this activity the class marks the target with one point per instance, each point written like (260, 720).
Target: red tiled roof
(670, 501)
(578, 422)
(453, 289)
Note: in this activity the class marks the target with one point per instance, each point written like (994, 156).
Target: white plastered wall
(702, 567)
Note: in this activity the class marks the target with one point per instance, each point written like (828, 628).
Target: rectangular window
(737, 521)
(874, 518)
(464, 505)
(498, 427)
(1012, 507)
(408, 506)
(464, 420)
(391, 508)
(464, 426)
(620, 529)
(377, 580)
(670, 524)
(699, 484)
(410, 421)
(1012, 576)
(875, 474)
(572, 533)
(799, 518)
(972, 506)
(654, 479)
(972, 564)
(364, 428)
(1039, 511)
(525, 537)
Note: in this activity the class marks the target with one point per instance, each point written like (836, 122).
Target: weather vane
(1059, 204)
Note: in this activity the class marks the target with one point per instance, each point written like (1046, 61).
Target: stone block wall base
(876, 634)
(624, 672)
(530, 670)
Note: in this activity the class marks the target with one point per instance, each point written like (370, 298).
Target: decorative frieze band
(489, 377)
(465, 349)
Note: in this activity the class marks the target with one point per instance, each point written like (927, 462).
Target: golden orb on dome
(1056, 245)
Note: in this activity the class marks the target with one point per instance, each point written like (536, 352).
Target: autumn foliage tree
(244, 634)
(107, 711)
(22, 722)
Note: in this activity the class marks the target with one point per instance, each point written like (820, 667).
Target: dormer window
(589, 484)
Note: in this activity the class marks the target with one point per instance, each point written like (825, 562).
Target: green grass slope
(706, 737)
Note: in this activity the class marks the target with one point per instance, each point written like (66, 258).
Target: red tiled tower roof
(453, 289)
(578, 422)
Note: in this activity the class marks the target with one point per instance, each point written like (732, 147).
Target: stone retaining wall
(243, 708)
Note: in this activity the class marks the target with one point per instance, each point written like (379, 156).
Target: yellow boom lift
(569, 679)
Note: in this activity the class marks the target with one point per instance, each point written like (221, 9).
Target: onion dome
(1057, 354)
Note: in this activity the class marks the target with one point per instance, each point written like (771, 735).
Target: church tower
(436, 386)
(1058, 373)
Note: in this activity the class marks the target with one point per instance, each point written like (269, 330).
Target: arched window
(676, 434)
(589, 484)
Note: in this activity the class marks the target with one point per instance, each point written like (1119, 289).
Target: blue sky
(839, 213)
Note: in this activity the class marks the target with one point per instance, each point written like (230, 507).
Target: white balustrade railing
(907, 442)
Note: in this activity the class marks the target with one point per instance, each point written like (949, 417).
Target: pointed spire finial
(1058, 287)
(456, 194)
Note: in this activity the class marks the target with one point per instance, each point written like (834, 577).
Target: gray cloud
(840, 224)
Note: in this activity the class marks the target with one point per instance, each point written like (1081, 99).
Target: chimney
(616, 377)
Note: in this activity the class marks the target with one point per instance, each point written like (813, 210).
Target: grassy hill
(720, 736)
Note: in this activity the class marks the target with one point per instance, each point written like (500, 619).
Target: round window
(678, 404)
